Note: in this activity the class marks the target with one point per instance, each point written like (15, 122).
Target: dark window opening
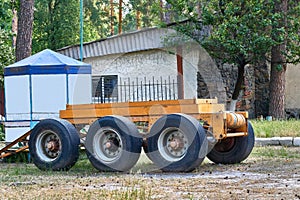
(105, 89)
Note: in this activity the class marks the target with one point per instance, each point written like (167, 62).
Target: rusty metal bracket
(7, 149)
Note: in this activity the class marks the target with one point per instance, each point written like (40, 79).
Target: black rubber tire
(240, 149)
(129, 144)
(196, 142)
(68, 152)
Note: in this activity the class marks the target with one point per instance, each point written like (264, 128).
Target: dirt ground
(269, 173)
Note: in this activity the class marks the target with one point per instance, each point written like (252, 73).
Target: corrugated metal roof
(150, 38)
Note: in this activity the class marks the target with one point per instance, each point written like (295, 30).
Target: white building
(150, 56)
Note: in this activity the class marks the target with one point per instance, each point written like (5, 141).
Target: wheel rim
(48, 145)
(225, 145)
(107, 144)
(172, 144)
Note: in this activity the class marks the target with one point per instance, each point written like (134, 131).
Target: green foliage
(149, 10)
(293, 33)
(5, 14)
(240, 30)
(2, 134)
(56, 24)
(6, 52)
(96, 19)
(100, 17)
(56, 27)
(278, 128)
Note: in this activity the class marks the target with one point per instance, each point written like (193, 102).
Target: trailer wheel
(113, 144)
(233, 150)
(53, 145)
(176, 143)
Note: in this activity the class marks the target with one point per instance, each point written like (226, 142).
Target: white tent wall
(11, 133)
(17, 106)
(49, 95)
(17, 97)
(80, 88)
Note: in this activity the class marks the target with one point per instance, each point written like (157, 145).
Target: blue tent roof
(47, 62)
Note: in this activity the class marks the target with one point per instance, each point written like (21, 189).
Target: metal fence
(137, 89)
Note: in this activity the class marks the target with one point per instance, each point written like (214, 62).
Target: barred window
(105, 88)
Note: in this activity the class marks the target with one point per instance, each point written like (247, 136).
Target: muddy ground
(269, 173)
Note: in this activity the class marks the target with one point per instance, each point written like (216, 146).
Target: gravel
(269, 173)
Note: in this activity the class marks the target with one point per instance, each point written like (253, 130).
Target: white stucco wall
(146, 63)
(196, 59)
(160, 64)
(292, 93)
(190, 69)
(153, 64)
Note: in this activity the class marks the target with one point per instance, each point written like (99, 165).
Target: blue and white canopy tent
(41, 85)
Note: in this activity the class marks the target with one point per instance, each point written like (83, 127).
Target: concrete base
(296, 142)
(278, 141)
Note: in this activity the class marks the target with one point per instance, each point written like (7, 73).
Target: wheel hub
(112, 144)
(107, 144)
(52, 146)
(48, 145)
(176, 144)
(173, 144)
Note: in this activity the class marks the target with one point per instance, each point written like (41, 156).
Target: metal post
(180, 73)
(81, 30)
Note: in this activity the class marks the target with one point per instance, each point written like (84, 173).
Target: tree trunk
(112, 13)
(277, 89)
(237, 88)
(120, 16)
(24, 37)
(241, 60)
(161, 4)
(278, 68)
(138, 20)
(168, 13)
(14, 27)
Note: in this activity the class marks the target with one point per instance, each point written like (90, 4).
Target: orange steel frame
(215, 118)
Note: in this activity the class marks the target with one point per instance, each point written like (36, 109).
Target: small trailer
(175, 134)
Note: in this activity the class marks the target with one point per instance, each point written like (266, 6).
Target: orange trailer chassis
(215, 119)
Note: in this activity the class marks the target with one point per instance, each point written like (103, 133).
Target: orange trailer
(175, 134)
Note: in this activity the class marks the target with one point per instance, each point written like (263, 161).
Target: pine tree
(25, 25)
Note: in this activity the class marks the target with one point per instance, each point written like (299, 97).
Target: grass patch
(81, 182)
(25, 181)
(287, 128)
(275, 152)
(2, 134)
